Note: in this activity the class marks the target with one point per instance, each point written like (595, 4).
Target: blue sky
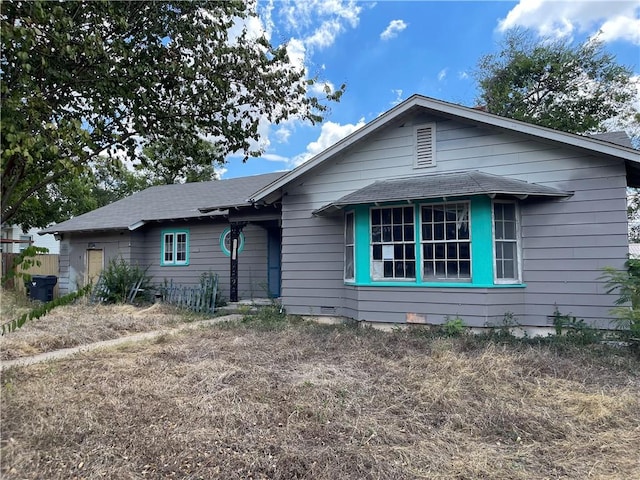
(386, 51)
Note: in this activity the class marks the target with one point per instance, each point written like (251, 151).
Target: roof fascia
(441, 107)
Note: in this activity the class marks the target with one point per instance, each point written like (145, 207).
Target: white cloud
(393, 29)
(463, 75)
(398, 94)
(620, 27)
(272, 157)
(442, 74)
(330, 133)
(319, 22)
(283, 134)
(219, 170)
(561, 19)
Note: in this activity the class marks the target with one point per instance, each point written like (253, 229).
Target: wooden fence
(49, 264)
(200, 298)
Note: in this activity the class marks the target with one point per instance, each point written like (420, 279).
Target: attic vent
(425, 146)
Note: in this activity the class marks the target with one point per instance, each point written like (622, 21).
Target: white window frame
(350, 243)
(517, 240)
(174, 248)
(375, 276)
(445, 241)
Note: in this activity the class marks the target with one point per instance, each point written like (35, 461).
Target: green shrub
(626, 283)
(453, 327)
(120, 278)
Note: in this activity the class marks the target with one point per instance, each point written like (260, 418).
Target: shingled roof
(169, 202)
(445, 185)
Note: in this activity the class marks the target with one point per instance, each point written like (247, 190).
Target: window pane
(386, 233)
(408, 233)
(168, 247)
(348, 230)
(377, 252)
(399, 269)
(439, 250)
(510, 230)
(409, 252)
(509, 211)
(427, 214)
(452, 250)
(410, 269)
(438, 214)
(181, 247)
(426, 232)
(386, 216)
(438, 231)
(397, 233)
(397, 216)
(465, 269)
(375, 216)
(408, 215)
(388, 269)
(509, 269)
(376, 234)
(348, 263)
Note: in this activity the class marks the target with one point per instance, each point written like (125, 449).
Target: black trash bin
(41, 287)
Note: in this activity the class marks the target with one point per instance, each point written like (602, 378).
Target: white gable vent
(425, 139)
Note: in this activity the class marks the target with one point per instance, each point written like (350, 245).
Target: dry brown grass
(77, 324)
(323, 403)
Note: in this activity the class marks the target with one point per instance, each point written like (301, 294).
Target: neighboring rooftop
(617, 138)
(169, 202)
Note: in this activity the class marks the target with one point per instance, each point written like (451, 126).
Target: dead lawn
(78, 324)
(313, 402)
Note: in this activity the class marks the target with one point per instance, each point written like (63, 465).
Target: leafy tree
(164, 162)
(85, 79)
(554, 84)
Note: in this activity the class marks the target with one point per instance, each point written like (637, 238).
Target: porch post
(235, 230)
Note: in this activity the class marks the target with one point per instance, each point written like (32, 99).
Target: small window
(506, 242)
(425, 141)
(349, 247)
(225, 241)
(25, 241)
(392, 243)
(175, 248)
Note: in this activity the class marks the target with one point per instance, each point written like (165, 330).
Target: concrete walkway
(138, 337)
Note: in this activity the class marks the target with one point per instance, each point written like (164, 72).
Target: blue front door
(273, 261)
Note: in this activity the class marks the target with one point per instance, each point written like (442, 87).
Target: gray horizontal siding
(206, 256)
(566, 243)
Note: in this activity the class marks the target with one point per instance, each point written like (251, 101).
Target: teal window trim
(482, 253)
(349, 243)
(223, 247)
(173, 233)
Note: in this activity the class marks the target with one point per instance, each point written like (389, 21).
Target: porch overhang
(442, 186)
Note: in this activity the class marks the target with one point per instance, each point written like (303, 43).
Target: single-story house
(430, 211)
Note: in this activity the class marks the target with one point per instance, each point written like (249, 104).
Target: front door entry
(95, 263)
(273, 261)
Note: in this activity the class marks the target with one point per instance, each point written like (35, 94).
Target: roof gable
(419, 103)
